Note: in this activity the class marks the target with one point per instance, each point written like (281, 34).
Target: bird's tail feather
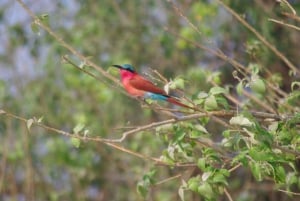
(177, 102)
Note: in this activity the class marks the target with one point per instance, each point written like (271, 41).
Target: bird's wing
(141, 83)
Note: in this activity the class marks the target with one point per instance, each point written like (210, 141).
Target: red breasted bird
(138, 86)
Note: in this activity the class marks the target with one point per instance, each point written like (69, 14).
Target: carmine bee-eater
(138, 86)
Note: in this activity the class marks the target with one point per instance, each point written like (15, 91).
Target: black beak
(117, 66)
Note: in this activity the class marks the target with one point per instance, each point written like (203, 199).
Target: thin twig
(84, 138)
(259, 102)
(285, 24)
(69, 61)
(290, 7)
(38, 22)
(179, 12)
(238, 66)
(228, 195)
(294, 17)
(221, 113)
(161, 76)
(235, 167)
(261, 38)
(289, 192)
(168, 179)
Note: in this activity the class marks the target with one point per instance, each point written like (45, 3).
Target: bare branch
(38, 22)
(290, 7)
(294, 17)
(285, 24)
(261, 38)
(289, 192)
(228, 195)
(168, 179)
(84, 138)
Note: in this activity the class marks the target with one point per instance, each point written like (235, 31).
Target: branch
(84, 138)
(261, 38)
(290, 7)
(294, 17)
(82, 69)
(38, 22)
(285, 24)
(168, 179)
(228, 195)
(107, 142)
(238, 66)
(289, 192)
(221, 113)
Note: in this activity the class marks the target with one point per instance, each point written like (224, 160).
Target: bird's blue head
(127, 67)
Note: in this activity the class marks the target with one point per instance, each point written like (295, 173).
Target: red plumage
(141, 83)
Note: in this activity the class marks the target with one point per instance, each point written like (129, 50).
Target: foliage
(68, 132)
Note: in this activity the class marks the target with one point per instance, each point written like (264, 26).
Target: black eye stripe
(129, 69)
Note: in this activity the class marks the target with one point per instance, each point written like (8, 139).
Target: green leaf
(206, 175)
(206, 190)
(44, 19)
(29, 123)
(181, 193)
(280, 174)
(143, 186)
(227, 143)
(201, 164)
(177, 83)
(260, 155)
(39, 120)
(149, 176)
(78, 128)
(167, 158)
(220, 178)
(217, 90)
(195, 134)
(240, 88)
(258, 85)
(223, 102)
(210, 103)
(263, 136)
(171, 152)
(276, 78)
(292, 178)
(164, 128)
(216, 77)
(240, 121)
(256, 170)
(193, 184)
(75, 142)
(226, 133)
(35, 28)
(142, 189)
(201, 128)
(293, 98)
(85, 132)
(202, 95)
(254, 68)
(241, 157)
(179, 135)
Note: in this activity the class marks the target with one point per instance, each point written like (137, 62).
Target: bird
(138, 86)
